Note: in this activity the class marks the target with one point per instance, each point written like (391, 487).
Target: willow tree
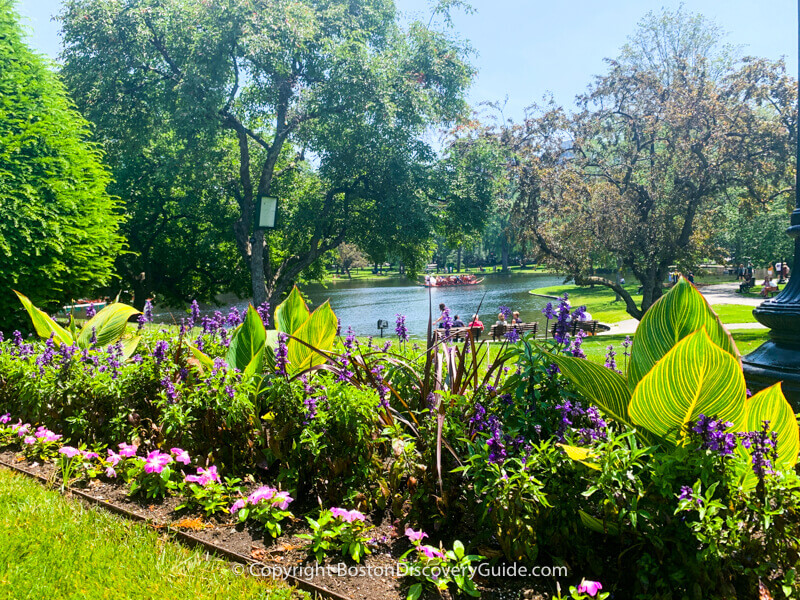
(59, 228)
(661, 141)
(325, 100)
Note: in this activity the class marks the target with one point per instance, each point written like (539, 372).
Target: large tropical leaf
(695, 377)
(247, 341)
(581, 455)
(256, 366)
(108, 325)
(291, 313)
(319, 331)
(771, 405)
(605, 388)
(129, 346)
(43, 324)
(682, 311)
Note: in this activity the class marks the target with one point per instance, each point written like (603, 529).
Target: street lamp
(778, 359)
(266, 212)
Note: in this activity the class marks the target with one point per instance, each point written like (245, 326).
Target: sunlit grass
(56, 548)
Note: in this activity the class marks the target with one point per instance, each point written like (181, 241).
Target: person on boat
(515, 318)
(477, 327)
(457, 322)
(432, 281)
(427, 279)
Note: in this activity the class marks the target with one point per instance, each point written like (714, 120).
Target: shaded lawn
(57, 548)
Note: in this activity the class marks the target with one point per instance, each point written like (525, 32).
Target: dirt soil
(373, 579)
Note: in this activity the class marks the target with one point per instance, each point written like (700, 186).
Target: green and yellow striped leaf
(605, 388)
(108, 324)
(581, 455)
(695, 377)
(291, 313)
(43, 324)
(247, 340)
(771, 405)
(319, 331)
(682, 311)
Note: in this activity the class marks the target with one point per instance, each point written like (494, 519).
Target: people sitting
(477, 326)
(768, 287)
(501, 319)
(457, 322)
(746, 284)
(515, 320)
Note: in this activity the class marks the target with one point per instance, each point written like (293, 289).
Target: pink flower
(90, 455)
(348, 516)
(69, 451)
(29, 439)
(5, 418)
(127, 450)
(204, 476)
(262, 493)
(21, 429)
(156, 461)
(590, 587)
(181, 456)
(239, 504)
(113, 458)
(282, 500)
(431, 552)
(415, 536)
(110, 472)
(51, 437)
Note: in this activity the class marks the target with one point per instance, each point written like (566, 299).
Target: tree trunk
(504, 254)
(617, 297)
(458, 260)
(257, 278)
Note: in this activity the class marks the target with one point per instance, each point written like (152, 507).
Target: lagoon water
(359, 304)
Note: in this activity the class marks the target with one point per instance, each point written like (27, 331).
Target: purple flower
(93, 339)
(687, 493)
(713, 435)
(763, 447)
(512, 335)
(160, 351)
(611, 362)
(90, 311)
(17, 338)
(575, 347)
(281, 354)
(400, 328)
(447, 322)
(263, 312)
(234, 317)
(169, 389)
(590, 587)
(194, 315)
(506, 312)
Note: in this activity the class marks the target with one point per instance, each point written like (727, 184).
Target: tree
(59, 228)
(656, 147)
(332, 79)
(348, 256)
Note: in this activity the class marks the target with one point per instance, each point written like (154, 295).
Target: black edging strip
(186, 538)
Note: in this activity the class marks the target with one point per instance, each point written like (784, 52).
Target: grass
(366, 273)
(599, 301)
(56, 548)
(734, 313)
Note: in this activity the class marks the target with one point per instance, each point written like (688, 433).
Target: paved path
(719, 293)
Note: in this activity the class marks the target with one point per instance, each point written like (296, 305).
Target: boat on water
(449, 281)
(79, 309)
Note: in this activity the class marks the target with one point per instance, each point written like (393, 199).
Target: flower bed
(538, 457)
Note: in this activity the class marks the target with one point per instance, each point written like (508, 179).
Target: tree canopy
(59, 227)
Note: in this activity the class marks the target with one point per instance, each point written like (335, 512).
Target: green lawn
(734, 313)
(55, 548)
(598, 301)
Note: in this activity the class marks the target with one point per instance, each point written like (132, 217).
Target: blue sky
(527, 48)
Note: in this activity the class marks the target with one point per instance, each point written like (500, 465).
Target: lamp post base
(771, 362)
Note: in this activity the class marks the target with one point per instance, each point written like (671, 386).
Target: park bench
(589, 327)
(498, 331)
(456, 334)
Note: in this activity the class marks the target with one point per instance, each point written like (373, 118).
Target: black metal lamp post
(779, 358)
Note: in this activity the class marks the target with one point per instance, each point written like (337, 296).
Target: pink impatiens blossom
(238, 505)
(113, 458)
(5, 418)
(181, 456)
(590, 587)
(110, 472)
(431, 552)
(347, 516)
(204, 476)
(415, 536)
(29, 439)
(127, 450)
(69, 451)
(21, 429)
(89, 455)
(262, 493)
(282, 500)
(156, 461)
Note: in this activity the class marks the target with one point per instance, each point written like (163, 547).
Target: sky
(526, 49)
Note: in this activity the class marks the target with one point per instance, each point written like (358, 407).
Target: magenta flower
(127, 450)
(181, 456)
(204, 476)
(113, 458)
(282, 500)
(262, 493)
(415, 536)
(431, 552)
(90, 455)
(239, 504)
(590, 587)
(29, 439)
(110, 472)
(348, 516)
(51, 437)
(69, 451)
(156, 461)
(21, 429)
(5, 418)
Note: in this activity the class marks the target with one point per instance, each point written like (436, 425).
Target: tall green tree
(326, 101)
(59, 228)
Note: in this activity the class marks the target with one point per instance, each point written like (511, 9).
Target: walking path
(719, 293)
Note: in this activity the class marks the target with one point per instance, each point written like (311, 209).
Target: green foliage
(317, 330)
(343, 534)
(439, 568)
(214, 498)
(59, 227)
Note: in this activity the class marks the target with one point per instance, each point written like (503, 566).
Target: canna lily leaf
(247, 341)
(695, 377)
(129, 346)
(319, 331)
(291, 313)
(604, 387)
(43, 324)
(108, 324)
(204, 359)
(597, 525)
(256, 365)
(581, 455)
(682, 311)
